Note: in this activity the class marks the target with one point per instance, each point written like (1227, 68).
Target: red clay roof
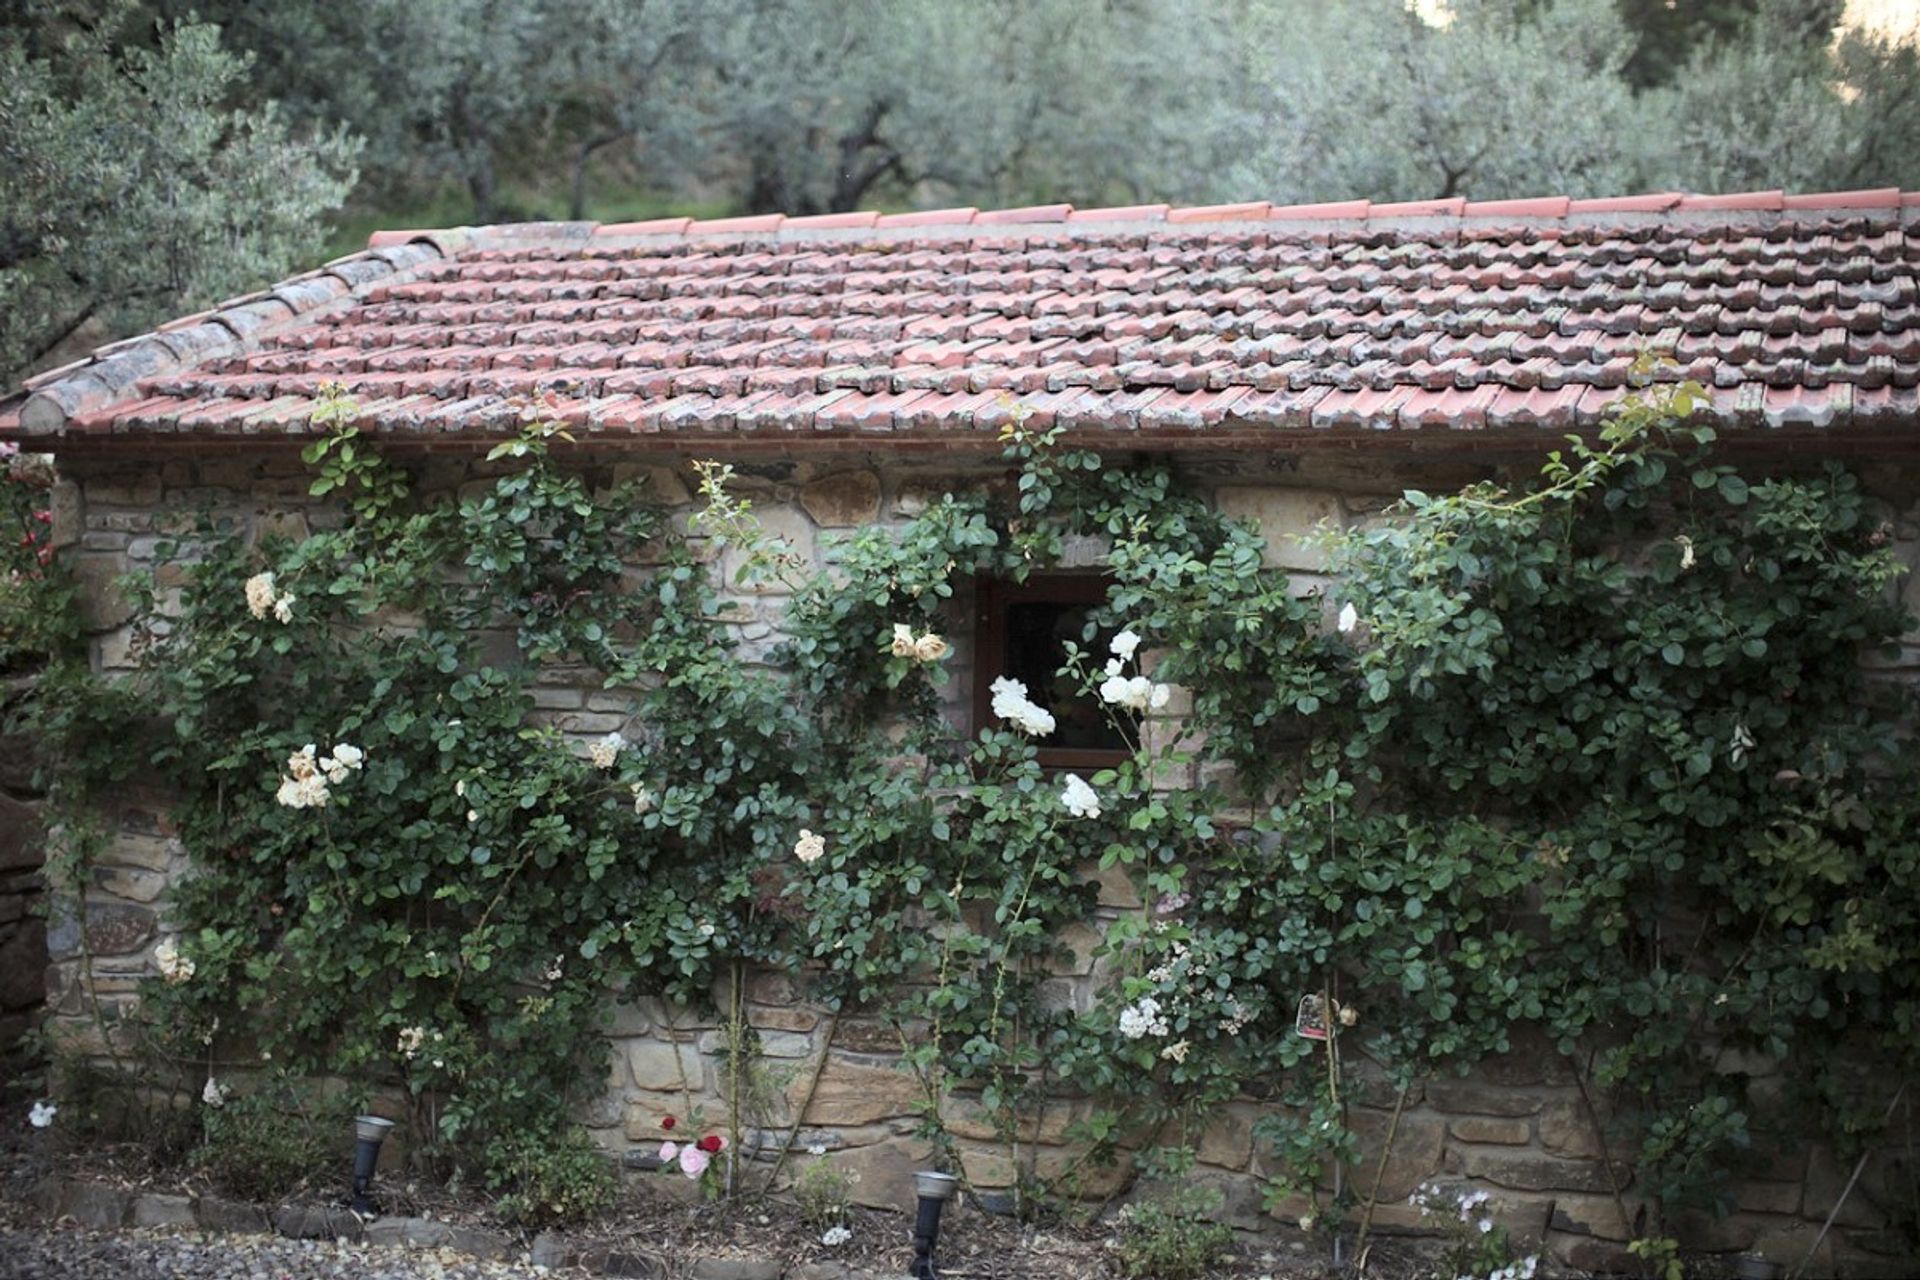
(1242, 322)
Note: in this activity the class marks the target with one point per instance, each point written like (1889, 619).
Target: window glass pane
(1037, 632)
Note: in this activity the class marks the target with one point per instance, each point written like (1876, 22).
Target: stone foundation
(1519, 1127)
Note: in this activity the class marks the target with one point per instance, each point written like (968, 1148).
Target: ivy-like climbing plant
(1592, 758)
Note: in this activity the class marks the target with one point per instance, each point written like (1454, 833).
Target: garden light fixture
(368, 1132)
(934, 1190)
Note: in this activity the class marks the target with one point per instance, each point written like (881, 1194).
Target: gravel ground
(70, 1253)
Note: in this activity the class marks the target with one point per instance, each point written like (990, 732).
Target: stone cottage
(1302, 364)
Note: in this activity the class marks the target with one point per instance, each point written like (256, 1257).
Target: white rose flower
(1010, 703)
(1115, 666)
(1349, 617)
(42, 1114)
(1124, 644)
(410, 1041)
(215, 1094)
(902, 640)
(929, 648)
(1079, 798)
(173, 966)
(809, 848)
(642, 799)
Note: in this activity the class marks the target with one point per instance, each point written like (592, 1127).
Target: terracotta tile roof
(1329, 321)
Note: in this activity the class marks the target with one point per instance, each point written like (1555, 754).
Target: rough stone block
(1228, 1138)
(1289, 519)
(737, 1269)
(1492, 1129)
(843, 500)
(102, 605)
(131, 883)
(855, 1093)
(316, 1222)
(21, 847)
(91, 1205)
(1526, 1172)
(413, 1233)
(236, 1216)
(1473, 1098)
(658, 1064)
(1413, 1158)
(883, 1173)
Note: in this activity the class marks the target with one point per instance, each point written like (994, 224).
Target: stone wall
(1519, 1127)
(23, 927)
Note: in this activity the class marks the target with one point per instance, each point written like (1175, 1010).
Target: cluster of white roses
(1143, 1018)
(1135, 693)
(263, 597)
(1010, 703)
(414, 1039)
(304, 786)
(923, 648)
(174, 967)
(604, 751)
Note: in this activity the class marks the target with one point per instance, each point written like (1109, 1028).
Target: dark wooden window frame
(991, 600)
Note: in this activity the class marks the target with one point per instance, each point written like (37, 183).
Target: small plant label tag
(1311, 1018)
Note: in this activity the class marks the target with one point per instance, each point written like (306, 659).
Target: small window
(1023, 630)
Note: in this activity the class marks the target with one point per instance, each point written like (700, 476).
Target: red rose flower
(667, 1122)
(711, 1143)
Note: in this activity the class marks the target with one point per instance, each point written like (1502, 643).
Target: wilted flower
(1080, 799)
(902, 640)
(929, 648)
(1686, 551)
(283, 608)
(411, 1038)
(42, 1114)
(1349, 1016)
(1176, 1052)
(809, 847)
(260, 594)
(834, 1237)
(173, 966)
(604, 751)
(642, 798)
(1010, 703)
(215, 1093)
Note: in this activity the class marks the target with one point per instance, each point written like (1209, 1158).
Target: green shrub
(1173, 1237)
(546, 1179)
(270, 1143)
(825, 1192)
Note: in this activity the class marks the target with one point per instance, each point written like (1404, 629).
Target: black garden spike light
(934, 1190)
(368, 1132)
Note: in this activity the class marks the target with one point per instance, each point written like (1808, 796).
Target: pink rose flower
(693, 1161)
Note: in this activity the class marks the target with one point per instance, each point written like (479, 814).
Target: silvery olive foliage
(132, 188)
(1586, 761)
